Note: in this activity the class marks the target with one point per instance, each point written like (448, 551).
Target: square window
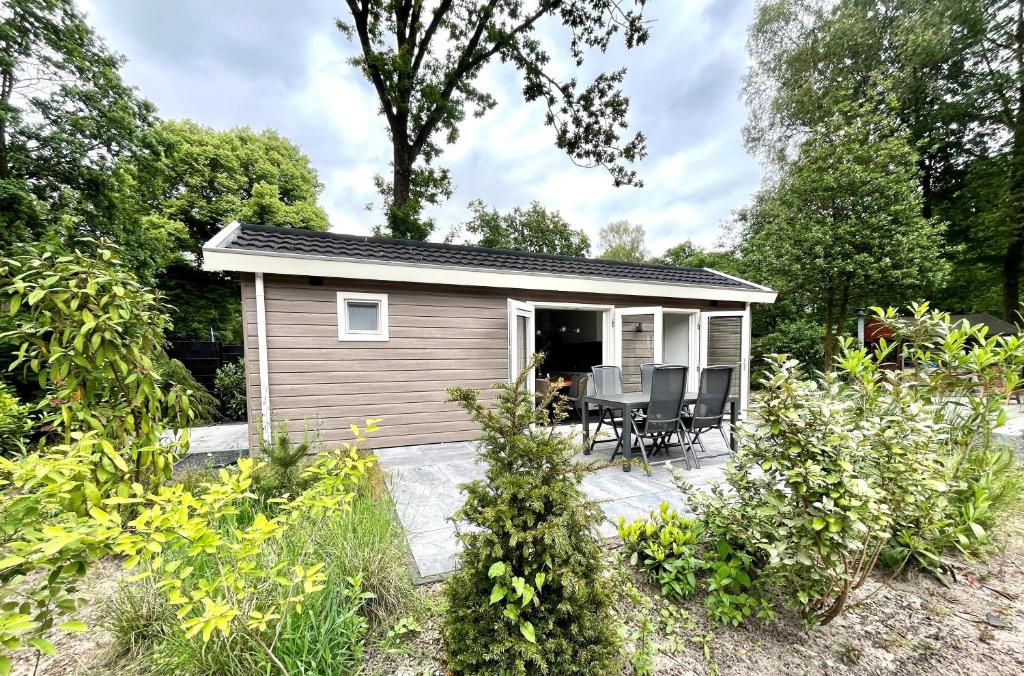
(362, 316)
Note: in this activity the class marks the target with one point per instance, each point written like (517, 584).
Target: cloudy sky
(282, 64)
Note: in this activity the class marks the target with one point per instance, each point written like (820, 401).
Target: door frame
(657, 311)
(705, 317)
(694, 344)
(517, 309)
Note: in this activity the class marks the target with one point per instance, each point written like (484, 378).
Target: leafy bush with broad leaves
(93, 337)
(665, 545)
(851, 465)
(229, 384)
(247, 587)
(14, 422)
(530, 594)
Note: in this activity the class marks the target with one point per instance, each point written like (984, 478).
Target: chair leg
(689, 444)
(682, 447)
(639, 439)
(600, 420)
(721, 430)
(701, 444)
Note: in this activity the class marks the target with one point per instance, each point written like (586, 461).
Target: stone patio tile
(424, 486)
(419, 484)
(427, 517)
(403, 456)
(461, 472)
(613, 483)
(436, 552)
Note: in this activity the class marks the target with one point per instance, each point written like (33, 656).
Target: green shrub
(204, 405)
(665, 544)
(530, 594)
(229, 384)
(14, 422)
(734, 592)
(281, 473)
(860, 464)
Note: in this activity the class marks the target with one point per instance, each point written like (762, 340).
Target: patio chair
(668, 385)
(645, 376)
(605, 380)
(709, 409)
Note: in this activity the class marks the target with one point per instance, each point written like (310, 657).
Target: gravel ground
(911, 625)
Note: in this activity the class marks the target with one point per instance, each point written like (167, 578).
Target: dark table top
(637, 399)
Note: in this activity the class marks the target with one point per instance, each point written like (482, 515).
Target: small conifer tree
(530, 594)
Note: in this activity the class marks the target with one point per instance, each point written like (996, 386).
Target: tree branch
(467, 63)
(423, 47)
(360, 14)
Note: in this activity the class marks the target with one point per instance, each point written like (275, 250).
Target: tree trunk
(1014, 254)
(830, 338)
(401, 181)
(1011, 274)
(6, 88)
(844, 308)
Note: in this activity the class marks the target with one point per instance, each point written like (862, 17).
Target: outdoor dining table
(635, 401)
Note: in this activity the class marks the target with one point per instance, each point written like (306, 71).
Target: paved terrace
(424, 484)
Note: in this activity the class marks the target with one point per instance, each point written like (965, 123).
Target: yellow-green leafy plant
(239, 593)
(531, 594)
(14, 422)
(665, 544)
(45, 547)
(92, 336)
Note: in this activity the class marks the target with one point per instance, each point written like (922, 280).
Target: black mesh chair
(606, 380)
(709, 409)
(646, 370)
(668, 384)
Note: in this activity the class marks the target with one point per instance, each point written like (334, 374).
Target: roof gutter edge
(238, 260)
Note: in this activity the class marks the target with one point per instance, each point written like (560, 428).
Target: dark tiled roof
(264, 238)
(996, 326)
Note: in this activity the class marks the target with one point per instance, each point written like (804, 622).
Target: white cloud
(285, 66)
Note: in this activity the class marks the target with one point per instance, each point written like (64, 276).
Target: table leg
(733, 417)
(627, 438)
(585, 420)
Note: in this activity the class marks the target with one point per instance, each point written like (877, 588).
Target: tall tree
(200, 180)
(531, 229)
(623, 241)
(843, 227)
(66, 117)
(954, 70)
(689, 255)
(423, 60)
(998, 60)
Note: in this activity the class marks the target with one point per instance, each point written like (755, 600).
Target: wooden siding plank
(283, 366)
(332, 343)
(378, 386)
(330, 331)
(444, 375)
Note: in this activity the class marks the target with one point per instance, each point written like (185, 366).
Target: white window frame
(382, 316)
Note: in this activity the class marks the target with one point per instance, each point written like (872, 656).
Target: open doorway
(680, 342)
(572, 341)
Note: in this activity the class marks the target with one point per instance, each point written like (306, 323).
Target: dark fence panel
(203, 358)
